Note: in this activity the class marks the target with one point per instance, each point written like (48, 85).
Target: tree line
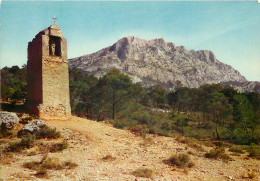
(210, 111)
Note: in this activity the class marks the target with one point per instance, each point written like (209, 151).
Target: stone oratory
(47, 74)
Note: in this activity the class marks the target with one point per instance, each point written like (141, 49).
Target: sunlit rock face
(158, 62)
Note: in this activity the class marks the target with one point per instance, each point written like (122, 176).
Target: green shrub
(182, 160)
(27, 141)
(14, 147)
(218, 153)
(44, 132)
(59, 146)
(143, 118)
(199, 133)
(119, 123)
(181, 121)
(254, 151)
(236, 149)
(47, 132)
(240, 136)
(213, 153)
(143, 172)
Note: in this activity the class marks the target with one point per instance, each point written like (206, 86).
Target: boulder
(8, 120)
(32, 127)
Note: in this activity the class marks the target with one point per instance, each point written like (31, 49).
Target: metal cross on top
(54, 19)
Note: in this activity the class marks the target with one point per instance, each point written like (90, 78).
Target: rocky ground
(90, 142)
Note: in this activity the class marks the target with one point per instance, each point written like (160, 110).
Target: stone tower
(47, 74)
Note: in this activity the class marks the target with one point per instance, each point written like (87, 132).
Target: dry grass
(48, 163)
(42, 173)
(147, 141)
(22, 176)
(32, 153)
(251, 175)
(4, 160)
(143, 172)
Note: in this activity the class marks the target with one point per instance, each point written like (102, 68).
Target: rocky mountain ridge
(159, 62)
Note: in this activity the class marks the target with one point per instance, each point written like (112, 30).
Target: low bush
(47, 132)
(236, 149)
(214, 153)
(27, 141)
(180, 160)
(143, 172)
(218, 153)
(59, 146)
(119, 123)
(254, 151)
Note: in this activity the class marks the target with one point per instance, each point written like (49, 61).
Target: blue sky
(230, 29)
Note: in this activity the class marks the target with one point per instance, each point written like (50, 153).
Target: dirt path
(90, 141)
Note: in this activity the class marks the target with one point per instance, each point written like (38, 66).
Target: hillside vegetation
(209, 112)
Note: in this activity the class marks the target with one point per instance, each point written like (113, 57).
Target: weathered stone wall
(34, 75)
(48, 78)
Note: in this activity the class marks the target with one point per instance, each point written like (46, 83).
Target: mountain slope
(158, 62)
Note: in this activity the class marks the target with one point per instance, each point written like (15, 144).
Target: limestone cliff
(158, 62)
